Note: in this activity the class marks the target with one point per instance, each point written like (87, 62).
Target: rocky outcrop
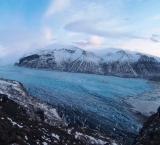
(16, 92)
(26, 120)
(119, 63)
(150, 133)
(147, 66)
(17, 127)
(155, 78)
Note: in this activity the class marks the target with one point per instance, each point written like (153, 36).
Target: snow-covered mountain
(113, 62)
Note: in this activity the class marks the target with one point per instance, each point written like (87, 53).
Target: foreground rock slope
(118, 63)
(150, 133)
(26, 120)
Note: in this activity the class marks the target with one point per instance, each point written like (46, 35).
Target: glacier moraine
(96, 101)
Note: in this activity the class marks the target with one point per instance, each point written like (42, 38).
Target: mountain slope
(117, 62)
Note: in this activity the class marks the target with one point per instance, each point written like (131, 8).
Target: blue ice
(96, 99)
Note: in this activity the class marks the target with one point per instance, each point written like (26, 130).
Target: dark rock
(40, 114)
(155, 78)
(16, 128)
(28, 58)
(150, 132)
(27, 129)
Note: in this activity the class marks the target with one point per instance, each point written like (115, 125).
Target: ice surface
(145, 107)
(96, 101)
(147, 103)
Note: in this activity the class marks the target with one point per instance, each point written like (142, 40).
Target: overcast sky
(28, 25)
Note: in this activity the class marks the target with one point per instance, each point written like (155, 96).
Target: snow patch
(55, 135)
(14, 123)
(26, 137)
(114, 143)
(97, 141)
(44, 143)
(69, 131)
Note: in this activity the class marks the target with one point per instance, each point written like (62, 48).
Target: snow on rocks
(14, 123)
(55, 135)
(92, 139)
(35, 108)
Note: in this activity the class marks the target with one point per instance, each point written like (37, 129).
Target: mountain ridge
(72, 59)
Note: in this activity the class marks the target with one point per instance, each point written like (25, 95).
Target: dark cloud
(126, 19)
(53, 39)
(154, 40)
(86, 27)
(155, 35)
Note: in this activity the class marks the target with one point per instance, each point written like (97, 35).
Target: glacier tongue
(94, 101)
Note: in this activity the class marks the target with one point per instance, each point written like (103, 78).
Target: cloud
(155, 35)
(156, 17)
(126, 19)
(23, 41)
(96, 40)
(7, 55)
(3, 51)
(48, 34)
(142, 45)
(56, 6)
(91, 42)
(85, 26)
(88, 11)
(155, 38)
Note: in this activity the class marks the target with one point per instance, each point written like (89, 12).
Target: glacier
(95, 101)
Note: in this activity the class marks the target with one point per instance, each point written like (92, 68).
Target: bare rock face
(26, 120)
(147, 66)
(118, 63)
(150, 133)
(155, 78)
